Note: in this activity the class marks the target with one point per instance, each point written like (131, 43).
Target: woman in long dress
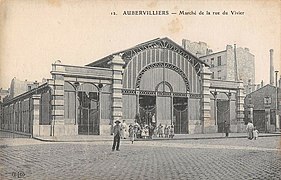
(250, 129)
(124, 129)
(131, 133)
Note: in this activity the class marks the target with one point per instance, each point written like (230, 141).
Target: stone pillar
(57, 85)
(208, 124)
(36, 115)
(240, 108)
(117, 70)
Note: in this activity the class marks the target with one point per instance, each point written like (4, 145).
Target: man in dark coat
(116, 134)
(226, 128)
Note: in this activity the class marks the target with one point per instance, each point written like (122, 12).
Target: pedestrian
(250, 128)
(116, 134)
(155, 131)
(136, 129)
(226, 128)
(146, 131)
(255, 133)
(143, 135)
(131, 133)
(124, 130)
(153, 121)
(166, 131)
(150, 131)
(160, 130)
(172, 131)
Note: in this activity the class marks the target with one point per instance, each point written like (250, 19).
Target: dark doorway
(223, 114)
(147, 109)
(180, 105)
(88, 113)
(259, 120)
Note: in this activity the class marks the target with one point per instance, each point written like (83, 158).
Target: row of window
(218, 75)
(212, 61)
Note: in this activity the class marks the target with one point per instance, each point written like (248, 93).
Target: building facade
(3, 93)
(197, 48)
(18, 87)
(262, 107)
(222, 64)
(156, 82)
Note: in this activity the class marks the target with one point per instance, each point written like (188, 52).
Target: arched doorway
(162, 96)
(147, 109)
(164, 103)
(180, 118)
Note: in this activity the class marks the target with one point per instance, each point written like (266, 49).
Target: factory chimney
(235, 64)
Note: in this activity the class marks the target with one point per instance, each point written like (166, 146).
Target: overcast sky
(34, 34)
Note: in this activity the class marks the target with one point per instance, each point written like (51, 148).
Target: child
(172, 132)
(143, 135)
(255, 133)
(155, 132)
(166, 131)
(131, 133)
(160, 130)
(146, 132)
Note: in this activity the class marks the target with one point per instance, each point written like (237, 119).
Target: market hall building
(156, 82)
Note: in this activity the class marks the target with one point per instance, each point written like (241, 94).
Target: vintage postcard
(153, 89)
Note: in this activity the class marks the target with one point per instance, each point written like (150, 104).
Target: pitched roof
(127, 54)
(260, 89)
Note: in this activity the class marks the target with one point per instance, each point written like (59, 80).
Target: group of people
(149, 131)
(133, 131)
(167, 132)
(122, 131)
(252, 131)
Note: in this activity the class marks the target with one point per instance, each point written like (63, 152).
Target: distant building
(196, 48)
(19, 87)
(222, 63)
(260, 107)
(3, 94)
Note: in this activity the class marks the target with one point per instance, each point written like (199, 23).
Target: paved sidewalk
(92, 138)
(225, 158)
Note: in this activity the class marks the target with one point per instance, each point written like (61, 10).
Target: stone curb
(158, 139)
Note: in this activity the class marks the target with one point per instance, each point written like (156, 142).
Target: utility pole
(277, 125)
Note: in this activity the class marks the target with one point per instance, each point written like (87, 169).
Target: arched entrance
(180, 118)
(162, 97)
(164, 103)
(147, 109)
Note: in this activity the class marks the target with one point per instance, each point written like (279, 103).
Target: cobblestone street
(235, 158)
